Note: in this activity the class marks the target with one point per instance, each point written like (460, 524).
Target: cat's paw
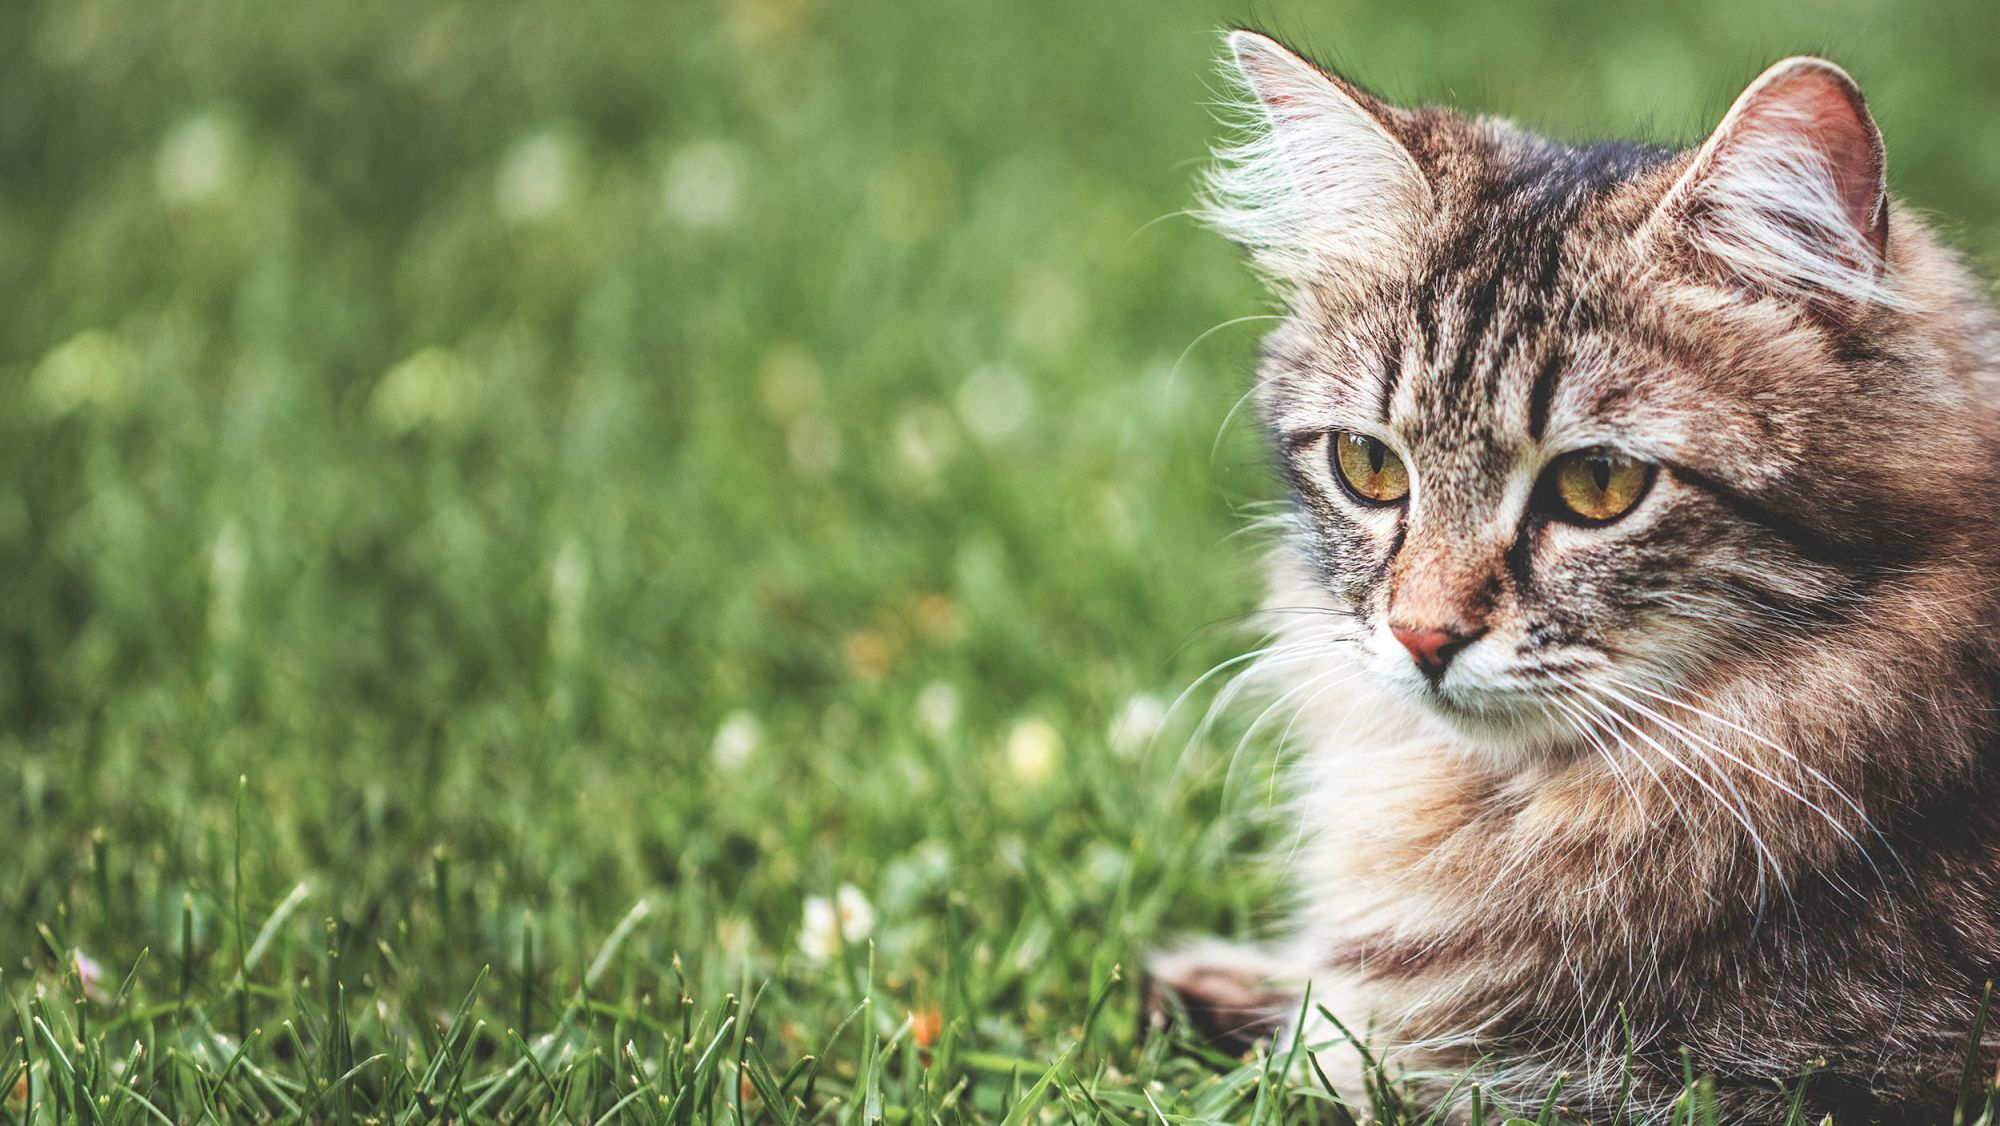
(1230, 995)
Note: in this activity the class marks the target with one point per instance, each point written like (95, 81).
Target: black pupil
(1376, 451)
(1600, 472)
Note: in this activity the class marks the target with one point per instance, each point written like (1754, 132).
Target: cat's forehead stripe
(1491, 293)
(1392, 375)
(1543, 392)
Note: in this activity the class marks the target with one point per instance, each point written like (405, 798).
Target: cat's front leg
(1232, 995)
(1235, 996)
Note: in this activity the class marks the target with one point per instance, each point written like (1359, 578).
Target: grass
(507, 504)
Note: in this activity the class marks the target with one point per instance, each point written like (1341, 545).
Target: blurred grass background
(700, 453)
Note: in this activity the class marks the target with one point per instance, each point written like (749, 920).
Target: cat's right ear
(1317, 186)
(1788, 194)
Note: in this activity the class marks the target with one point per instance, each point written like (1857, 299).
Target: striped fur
(1721, 775)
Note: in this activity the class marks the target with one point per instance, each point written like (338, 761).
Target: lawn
(640, 558)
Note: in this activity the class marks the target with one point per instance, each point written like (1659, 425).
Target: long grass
(510, 509)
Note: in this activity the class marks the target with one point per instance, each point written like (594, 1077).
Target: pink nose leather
(1432, 649)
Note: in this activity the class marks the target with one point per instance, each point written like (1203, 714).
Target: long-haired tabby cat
(1638, 601)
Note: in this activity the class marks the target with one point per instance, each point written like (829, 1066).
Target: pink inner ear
(1826, 114)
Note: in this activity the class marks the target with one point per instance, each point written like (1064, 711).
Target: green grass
(507, 502)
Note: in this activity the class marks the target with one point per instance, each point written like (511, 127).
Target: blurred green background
(692, 452)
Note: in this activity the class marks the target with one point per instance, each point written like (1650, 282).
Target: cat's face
(1563, 508)
(1571, 430)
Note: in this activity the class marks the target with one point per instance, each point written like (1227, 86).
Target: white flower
(937, 709)
(197, 160)
(993, 402)
(703, 183)
(736, 740)
(89, 973)
(857, 916)
(846, 919)
(537, 177)
(1033, 749)
(1136, 725)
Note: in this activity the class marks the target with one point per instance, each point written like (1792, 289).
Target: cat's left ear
(1788, 194)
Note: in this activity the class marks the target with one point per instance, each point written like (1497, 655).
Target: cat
(1638, 602)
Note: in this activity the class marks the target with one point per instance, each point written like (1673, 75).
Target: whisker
(1816, 774)
(1174, 372)
(1737, 808)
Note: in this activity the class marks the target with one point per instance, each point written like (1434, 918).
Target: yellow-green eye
(1595, 486)
(1371, 471)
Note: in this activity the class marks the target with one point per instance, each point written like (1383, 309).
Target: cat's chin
(1498, 728)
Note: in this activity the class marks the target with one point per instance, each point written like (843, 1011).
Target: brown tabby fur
(1729, 778)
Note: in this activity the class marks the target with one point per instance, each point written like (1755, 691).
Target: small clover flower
(832, 923)
(89, 973)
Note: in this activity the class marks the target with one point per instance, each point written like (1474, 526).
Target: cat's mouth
(1501, 716)
(1482, 695)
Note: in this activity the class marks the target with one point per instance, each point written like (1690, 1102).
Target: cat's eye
(1369, 471)
(1597, 486)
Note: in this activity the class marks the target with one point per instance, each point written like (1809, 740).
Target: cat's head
(1567, 425)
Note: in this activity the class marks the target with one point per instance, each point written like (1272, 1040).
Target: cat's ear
(1788, 194)
(1318, 187)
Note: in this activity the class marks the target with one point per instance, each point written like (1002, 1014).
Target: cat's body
(1647, 642)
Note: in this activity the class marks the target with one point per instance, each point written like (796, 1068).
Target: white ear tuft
(1788, 194)
(1315, 186)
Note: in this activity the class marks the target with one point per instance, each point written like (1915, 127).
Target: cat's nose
(1433, 649)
